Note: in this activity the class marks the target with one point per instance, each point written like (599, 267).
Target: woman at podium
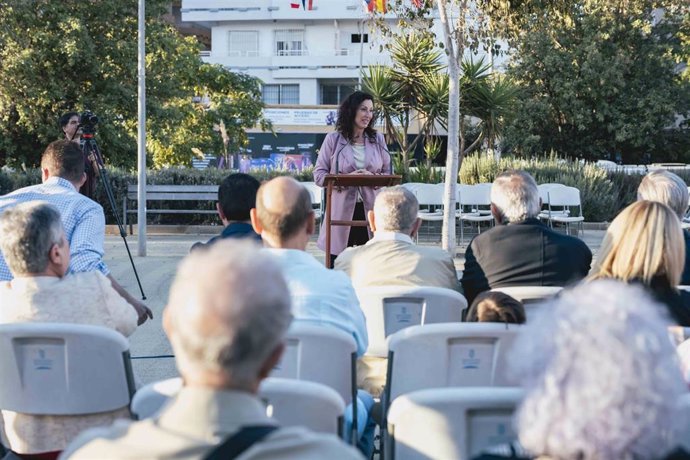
(354, 148)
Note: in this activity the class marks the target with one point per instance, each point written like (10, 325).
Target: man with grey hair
(62, 172)
(391, 257)
(667, 188)
(38, 255)
(520, 250)
(227, 315)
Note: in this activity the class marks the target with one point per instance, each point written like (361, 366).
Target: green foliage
(600, 81)
(119, 179)
(67, 55)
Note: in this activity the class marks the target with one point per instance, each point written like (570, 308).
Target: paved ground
(164, 252)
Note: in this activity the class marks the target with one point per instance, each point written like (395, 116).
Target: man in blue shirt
(236, 197)
(62, 169)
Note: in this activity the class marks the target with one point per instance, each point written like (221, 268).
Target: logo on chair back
(403, 315)
(42, 363)
(471, 362)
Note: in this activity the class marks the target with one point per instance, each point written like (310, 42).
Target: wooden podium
(350, 180)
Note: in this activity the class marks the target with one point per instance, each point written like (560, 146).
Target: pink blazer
(377, 160)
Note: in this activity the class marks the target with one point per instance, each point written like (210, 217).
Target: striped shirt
(82, 218)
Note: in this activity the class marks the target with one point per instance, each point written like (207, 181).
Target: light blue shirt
(322, 296)
(82, 218)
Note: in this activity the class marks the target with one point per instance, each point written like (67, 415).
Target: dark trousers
(358, 235)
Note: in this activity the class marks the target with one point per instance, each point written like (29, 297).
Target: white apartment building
(308, 60)
(304, 57)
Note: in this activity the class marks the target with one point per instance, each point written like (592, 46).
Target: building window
(281, 94)
(333, 93)
(243, 43)
(289, 42)
(357, 38)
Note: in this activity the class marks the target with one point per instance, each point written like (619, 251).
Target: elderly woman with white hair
(667, 188)
(601, 379)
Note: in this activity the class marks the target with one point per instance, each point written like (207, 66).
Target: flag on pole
(306, 5)
(376, 5)
(418, 3)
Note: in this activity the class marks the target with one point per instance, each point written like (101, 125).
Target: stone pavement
(149, 345)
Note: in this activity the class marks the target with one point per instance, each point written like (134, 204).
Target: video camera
(88, 121)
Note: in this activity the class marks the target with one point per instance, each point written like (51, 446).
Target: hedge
(604, 193)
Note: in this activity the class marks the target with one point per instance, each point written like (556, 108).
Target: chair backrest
(449, 355)
(532, 297)
(544, 190)
(314, 191)
(413, 186)
(63, 369)
(565, 196)
(389, 309)
(291, 402)
(456, 423)
(474, 195)
(319, 354)
(151, 398)
(429, 194)
(300, 403)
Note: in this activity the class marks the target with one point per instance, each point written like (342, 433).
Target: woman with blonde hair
(644, 244)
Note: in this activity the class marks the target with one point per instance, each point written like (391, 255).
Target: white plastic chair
(63, 369)
(301, 403)
(566, 198)
(389, 309)
(449, 355)
(430, 198)
(291, 402)
(316, 198)
(323, 355)
(446, 423)
(544, 190)
(532, 297)
(151, 398)
(474, 206)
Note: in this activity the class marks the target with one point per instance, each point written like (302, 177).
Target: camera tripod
(93, 153)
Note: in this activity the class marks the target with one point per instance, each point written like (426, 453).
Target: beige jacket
(392, 259)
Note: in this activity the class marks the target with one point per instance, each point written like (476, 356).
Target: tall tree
(59, 56)
(601, 80)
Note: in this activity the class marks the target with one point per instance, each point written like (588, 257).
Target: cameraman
(71, 128)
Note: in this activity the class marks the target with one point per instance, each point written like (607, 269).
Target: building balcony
(262, 10)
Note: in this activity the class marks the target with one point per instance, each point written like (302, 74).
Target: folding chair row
(290, 402)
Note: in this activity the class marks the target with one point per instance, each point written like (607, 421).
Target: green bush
(120, 179)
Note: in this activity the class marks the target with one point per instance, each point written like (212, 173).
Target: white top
(82, 298)
(194, 422)
(359, 154)
(320, 295)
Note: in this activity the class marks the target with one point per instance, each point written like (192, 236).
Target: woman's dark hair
(348, 111)
(496, 307)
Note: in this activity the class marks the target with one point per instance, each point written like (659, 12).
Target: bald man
(285, 220)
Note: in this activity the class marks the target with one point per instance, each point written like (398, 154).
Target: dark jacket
(677, 302)
(523, 254)
(685, 278)
(234, 230)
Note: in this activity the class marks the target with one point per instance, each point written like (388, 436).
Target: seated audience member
(644, 244)
(496, 307)
(601, 379)
(285, 220)
(62, 171)
(38, 255)
(669, 189)
(391, 257)
(227, 315)
(520, 250)
(236, 197)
